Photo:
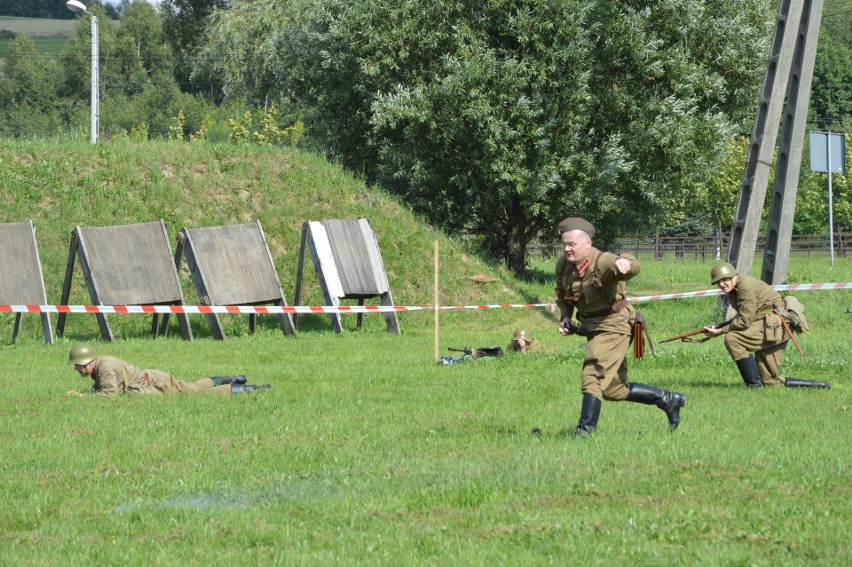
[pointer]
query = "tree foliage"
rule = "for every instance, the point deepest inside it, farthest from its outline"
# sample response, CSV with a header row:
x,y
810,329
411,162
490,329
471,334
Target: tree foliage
x,y
28,91
497,118
185,25
831,90
137,81
54,10
492,119
242,47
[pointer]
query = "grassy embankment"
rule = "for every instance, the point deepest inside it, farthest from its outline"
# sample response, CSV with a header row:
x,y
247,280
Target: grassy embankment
x,y
365,451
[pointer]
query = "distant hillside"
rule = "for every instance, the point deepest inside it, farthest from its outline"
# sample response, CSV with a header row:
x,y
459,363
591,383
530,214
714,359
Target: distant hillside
x,y
49,36
62,185
38,27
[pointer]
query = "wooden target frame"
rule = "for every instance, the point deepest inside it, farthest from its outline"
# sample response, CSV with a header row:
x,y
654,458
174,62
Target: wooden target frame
x,y
22,279
126,265
349,265
232,265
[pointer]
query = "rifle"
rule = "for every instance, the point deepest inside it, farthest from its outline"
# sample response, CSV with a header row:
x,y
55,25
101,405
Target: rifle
x,y
685,337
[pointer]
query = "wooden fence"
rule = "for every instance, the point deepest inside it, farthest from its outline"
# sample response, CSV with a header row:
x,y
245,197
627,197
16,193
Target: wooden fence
x,y
707,248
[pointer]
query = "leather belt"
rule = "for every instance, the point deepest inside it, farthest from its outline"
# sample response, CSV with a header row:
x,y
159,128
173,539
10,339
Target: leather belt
x,y
595,314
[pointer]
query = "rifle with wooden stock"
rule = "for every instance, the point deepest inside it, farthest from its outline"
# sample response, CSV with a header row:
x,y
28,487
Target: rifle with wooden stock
x,y
685,337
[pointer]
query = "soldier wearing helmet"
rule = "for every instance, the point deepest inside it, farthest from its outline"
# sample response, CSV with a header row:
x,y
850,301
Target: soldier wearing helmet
x,y
523,341
757,328
592,285
112,376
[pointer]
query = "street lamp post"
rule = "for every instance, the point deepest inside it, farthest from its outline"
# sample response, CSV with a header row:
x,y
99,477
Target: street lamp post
x,y
79,7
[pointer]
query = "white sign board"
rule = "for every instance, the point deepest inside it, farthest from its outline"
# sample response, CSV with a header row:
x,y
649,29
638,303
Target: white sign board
x,y
819,142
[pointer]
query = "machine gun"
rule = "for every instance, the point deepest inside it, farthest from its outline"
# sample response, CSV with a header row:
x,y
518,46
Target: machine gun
x,y
479,352
471,354
685,337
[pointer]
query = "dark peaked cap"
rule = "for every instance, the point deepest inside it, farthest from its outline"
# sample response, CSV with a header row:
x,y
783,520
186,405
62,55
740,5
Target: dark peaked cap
x,y
576,223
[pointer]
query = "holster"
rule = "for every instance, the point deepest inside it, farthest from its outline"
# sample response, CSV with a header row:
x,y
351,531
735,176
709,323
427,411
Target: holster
x,y
640,332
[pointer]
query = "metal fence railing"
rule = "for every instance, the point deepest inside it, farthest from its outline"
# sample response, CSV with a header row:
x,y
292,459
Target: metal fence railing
x,y
706,248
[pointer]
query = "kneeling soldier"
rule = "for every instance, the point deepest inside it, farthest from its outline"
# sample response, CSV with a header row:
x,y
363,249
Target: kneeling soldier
x,y
112,377
757,328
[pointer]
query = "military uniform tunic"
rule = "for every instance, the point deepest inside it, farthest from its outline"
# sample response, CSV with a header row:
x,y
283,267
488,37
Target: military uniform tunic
x,y
757,328
113,376
608,334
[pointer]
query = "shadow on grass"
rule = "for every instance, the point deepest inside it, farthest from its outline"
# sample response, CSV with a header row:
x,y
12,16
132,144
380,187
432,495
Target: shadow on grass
x,y
558,434
537,276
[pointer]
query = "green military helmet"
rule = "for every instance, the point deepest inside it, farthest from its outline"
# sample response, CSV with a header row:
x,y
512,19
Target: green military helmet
x,y
81,354
522,335
720,271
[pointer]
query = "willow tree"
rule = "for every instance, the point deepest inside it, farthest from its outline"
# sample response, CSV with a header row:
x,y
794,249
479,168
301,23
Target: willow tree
x,y
497,118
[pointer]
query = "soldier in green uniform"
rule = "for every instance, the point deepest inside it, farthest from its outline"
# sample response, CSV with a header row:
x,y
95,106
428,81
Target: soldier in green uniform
x,y
112,377
757,328
591,285
523,341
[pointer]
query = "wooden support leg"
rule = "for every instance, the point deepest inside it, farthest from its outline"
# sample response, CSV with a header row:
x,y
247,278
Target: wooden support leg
x,y
216,329
390,317
45,328
17,330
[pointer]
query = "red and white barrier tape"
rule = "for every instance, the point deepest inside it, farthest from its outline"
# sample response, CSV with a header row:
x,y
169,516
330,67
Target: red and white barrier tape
x,y
328,309
785,287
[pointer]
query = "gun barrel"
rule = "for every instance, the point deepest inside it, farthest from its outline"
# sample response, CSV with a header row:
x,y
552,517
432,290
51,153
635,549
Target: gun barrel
x,y
687,335
683,336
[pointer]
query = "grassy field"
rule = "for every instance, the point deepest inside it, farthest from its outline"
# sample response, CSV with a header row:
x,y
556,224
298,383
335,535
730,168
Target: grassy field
x,y
38,27
48,35
367,452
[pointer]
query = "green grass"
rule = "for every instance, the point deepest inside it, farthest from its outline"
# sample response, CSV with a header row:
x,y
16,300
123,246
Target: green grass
x,y
367,452
63,185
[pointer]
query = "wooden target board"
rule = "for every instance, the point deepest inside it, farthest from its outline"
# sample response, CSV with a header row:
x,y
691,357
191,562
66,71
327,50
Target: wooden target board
x,y
21,279
232,265
349,265
126,265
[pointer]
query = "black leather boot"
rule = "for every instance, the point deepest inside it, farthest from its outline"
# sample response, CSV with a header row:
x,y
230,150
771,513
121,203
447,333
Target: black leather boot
x,y
220,380
246,388
800,383
590,411
748,370
668,401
